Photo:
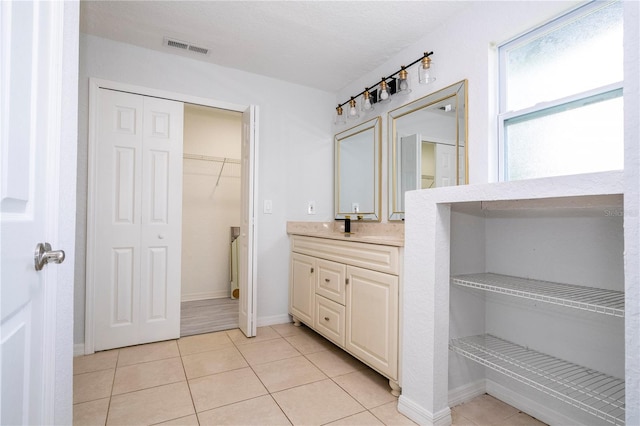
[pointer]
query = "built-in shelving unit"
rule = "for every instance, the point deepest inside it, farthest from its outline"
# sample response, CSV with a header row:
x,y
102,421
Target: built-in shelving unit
x,y
596,393
602,301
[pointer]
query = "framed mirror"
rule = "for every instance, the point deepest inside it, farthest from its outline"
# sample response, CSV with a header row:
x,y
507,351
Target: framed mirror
x,y
428,144
357,172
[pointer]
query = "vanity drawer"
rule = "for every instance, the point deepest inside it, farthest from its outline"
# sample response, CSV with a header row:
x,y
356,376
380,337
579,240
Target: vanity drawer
x,y
369,256
329,321
330,282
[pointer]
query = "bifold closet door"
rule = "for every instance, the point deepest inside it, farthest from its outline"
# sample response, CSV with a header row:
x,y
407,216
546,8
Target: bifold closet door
x,y
137,256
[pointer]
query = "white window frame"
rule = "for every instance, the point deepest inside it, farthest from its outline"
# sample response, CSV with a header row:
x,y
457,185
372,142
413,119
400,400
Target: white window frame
x,y
596,94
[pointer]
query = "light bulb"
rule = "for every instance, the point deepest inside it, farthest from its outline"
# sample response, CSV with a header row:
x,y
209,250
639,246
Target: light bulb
x,y
403,81
353,111
384,95
403,85
384,91
367,104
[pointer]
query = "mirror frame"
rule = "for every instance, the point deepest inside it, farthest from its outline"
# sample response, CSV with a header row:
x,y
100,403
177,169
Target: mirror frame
x,y
376,125
457,89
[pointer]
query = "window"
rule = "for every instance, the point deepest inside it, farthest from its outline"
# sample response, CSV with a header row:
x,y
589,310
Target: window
x,y
561,109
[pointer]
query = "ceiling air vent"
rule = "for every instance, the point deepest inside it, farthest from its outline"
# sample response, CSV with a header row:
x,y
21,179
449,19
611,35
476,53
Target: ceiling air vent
x,y
185,46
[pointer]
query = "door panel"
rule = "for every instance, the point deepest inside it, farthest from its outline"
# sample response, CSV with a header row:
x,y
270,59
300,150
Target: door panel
x,y
138,219
302,289
247,310
445,165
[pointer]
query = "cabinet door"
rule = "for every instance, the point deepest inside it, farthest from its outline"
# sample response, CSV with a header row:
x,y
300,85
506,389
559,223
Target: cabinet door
x,y
302,287
372,319
330,283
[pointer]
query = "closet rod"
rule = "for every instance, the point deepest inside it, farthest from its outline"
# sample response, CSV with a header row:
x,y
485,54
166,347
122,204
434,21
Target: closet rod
x,y
210,158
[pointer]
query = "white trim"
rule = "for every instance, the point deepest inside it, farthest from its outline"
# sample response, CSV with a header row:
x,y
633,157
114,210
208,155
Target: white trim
x,y
467,392
421,416
274,320
203,295
528,406
78,349
96,84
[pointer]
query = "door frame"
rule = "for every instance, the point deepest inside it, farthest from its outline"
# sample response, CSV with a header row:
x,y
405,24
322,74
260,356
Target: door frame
x,y
95,84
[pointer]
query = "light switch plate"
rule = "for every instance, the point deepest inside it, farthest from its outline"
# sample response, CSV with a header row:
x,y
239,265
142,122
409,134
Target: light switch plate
x,y
268,207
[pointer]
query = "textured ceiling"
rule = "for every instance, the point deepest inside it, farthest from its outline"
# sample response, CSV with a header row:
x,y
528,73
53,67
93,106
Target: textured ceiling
x,y
321,44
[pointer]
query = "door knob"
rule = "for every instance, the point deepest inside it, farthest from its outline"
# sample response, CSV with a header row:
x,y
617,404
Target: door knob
x,y
44,255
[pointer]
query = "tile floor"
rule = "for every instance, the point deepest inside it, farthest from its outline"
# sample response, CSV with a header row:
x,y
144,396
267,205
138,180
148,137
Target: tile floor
x,y
286,375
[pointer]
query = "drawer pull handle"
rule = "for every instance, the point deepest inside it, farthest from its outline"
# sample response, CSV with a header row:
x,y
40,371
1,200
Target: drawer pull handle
x,y
326,318
327,280
312,270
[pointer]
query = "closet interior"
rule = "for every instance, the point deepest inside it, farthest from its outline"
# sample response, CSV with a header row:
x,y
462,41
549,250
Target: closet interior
x,y
210,219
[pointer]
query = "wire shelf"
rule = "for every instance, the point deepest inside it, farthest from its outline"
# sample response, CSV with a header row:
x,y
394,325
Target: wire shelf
x,y
594,392
608,302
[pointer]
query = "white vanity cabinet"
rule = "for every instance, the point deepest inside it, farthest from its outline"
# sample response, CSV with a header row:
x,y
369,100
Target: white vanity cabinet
x,y
349,292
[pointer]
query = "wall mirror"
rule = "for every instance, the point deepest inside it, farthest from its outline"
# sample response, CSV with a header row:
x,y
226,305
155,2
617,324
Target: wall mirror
x,y
428,144
357,172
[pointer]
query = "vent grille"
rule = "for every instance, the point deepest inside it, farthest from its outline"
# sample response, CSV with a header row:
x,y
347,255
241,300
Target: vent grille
x,y
185,46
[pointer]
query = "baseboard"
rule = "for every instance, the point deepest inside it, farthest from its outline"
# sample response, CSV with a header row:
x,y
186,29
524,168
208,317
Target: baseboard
x,y
527,405
219,294
421,416
78,349
467,392
273,320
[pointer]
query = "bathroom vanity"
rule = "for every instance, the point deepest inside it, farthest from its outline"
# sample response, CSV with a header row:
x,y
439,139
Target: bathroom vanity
x,y
347,288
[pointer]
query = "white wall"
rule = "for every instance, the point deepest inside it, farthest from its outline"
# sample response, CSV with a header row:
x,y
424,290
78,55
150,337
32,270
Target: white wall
x,y
208,211
295,150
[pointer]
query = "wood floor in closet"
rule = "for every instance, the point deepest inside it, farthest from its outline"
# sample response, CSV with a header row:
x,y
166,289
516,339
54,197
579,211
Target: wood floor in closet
x,y
206,316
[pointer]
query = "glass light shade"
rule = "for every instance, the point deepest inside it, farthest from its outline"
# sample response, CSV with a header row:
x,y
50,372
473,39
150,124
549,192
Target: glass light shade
x,y
403,82
367,104
425,71
352,111
384,93
340,117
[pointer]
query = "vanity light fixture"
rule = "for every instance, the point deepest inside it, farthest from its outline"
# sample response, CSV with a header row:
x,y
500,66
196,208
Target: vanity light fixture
x,y
398,82
353,111
367,101
425,71
340,118
403,81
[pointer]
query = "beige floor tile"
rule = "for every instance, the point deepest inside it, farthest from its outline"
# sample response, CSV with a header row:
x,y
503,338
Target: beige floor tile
x,y
361,419
335,362
191,420
287,373
267,351
521,419
92,386
212,362
307,343
288,329
458,419
147,375
257,411
316,403
151,406
486,410
203,343
262,334
368,387
91,413
225,388
98,361
148,352
389,415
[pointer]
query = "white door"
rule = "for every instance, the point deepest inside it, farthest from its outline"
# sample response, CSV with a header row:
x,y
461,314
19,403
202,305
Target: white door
x,y
31,126
135,253
247,311
410,165
445,165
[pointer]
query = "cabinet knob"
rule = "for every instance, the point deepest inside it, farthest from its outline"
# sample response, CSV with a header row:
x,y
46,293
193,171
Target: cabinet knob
x,y
312,270
327,280
346,281
326,318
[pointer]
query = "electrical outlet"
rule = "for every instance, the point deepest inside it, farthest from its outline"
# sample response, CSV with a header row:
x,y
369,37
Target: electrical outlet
x,y
311,207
